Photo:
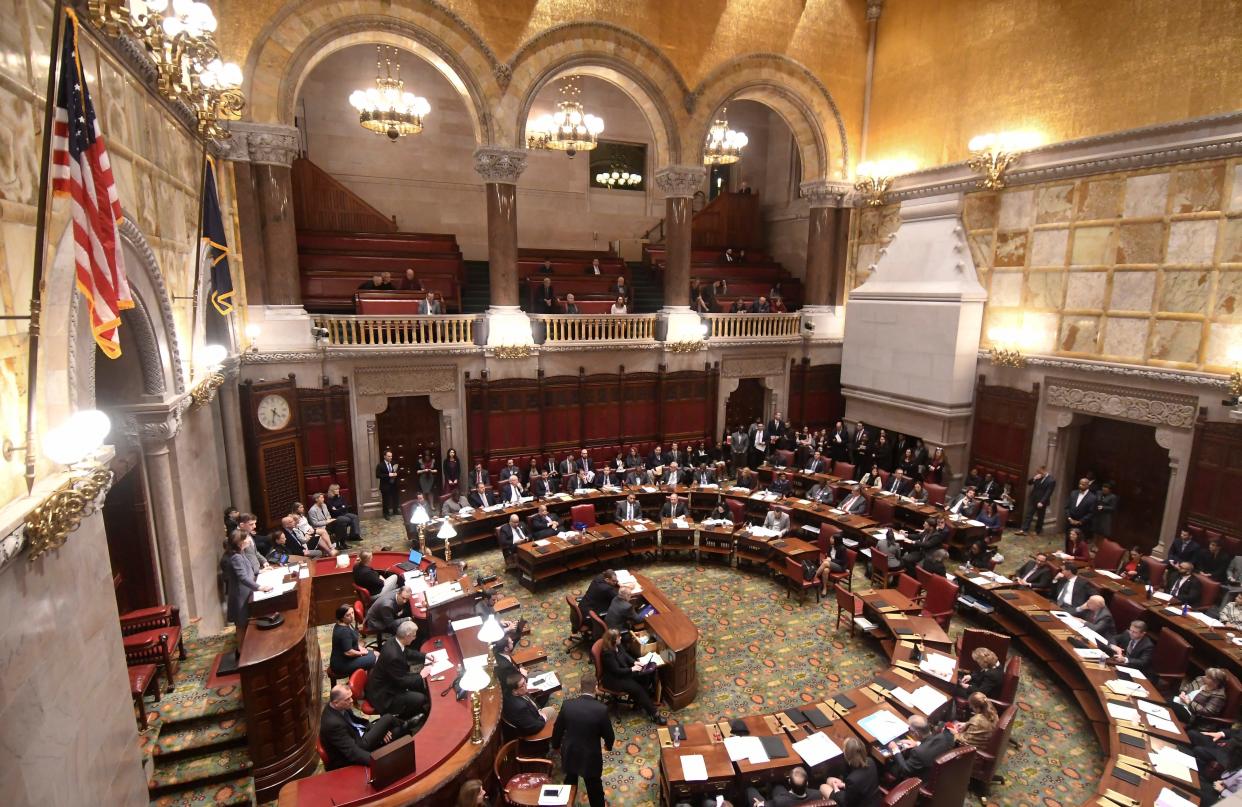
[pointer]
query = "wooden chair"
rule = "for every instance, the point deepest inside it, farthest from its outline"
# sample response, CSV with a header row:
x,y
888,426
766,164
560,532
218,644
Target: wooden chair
x,y
846,575
358,687
1109,555
514,772
795,578
948,781
1169,661
1008,694
153,636
910,587
1233,701
610,695
974,638
141,679
903,794
940,600
989,759
1155,571
1209,591
849,606
579,630
880,573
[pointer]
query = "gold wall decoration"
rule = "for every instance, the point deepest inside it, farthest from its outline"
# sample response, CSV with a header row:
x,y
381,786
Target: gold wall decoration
x,y
48,525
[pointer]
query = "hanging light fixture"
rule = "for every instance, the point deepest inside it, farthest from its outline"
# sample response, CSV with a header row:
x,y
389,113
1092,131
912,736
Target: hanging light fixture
x,y
387,108
570,129
724,145
616,177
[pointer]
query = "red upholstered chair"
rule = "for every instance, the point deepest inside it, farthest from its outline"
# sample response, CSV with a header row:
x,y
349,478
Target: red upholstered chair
x,y
1155,571
364,597
989,758
141,677
940,600
1003,514
1231,544
1169,660
321,751
738,511
514,773
795,578
583,514
577,627
846,575
880,573
949,779
1125,611
1198,533
358,686
1108,555
1209,590
849,606
935,493
922,575
883,509
903,794
1008,694
884,475
597,651
908,586
844,470
974,638
1233,702
784,458
1209,535
153,636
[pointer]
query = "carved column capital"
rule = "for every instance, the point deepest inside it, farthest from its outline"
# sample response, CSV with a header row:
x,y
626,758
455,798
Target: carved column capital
x,y
154,426
874,7
501,165
263,143
826,193
680,180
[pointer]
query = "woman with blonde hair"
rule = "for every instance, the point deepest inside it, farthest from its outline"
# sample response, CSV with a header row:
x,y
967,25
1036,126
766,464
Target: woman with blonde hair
x,y
987,679
471,794
978,730
1202,697
861,786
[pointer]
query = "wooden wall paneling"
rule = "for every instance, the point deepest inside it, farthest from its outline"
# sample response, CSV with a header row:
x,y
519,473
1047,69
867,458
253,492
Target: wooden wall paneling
x,y
327,439
1128,455
542,413
1001,433
1214,478
582,404
622,427
713,384
822,403
661,401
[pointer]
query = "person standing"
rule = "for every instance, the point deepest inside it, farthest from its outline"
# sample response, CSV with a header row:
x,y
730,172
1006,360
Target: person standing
x,y
739,447
582,732
240,582
1042,484
386,472
1105,506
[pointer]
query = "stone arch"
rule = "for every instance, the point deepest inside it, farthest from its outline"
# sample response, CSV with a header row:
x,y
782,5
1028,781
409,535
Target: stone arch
x,y
630,62
789,89
303,33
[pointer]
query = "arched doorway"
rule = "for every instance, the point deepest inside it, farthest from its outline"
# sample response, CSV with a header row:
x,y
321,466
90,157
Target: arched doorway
x,y
745,403
1127,455
408,427
127,527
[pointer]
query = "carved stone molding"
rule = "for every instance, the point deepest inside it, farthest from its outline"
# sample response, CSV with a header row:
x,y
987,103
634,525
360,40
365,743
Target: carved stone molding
x,y
827,193
680,180
304,356
497,164
408,379
1126,370
753,367
154,427
1124,403
263,143
138,242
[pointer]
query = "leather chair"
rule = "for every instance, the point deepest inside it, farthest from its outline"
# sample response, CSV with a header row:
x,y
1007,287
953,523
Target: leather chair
x,y
843,470
1155,572
1169,661
949,779
508,554
153,636
583,514
610,695
1125,611
940,600
514,772
1198,533
579,631
1008,694
935,493
922,575
364,596
903,794
849,606
321,751
358,686
1228,715
847,574
1109,555
738,510
988,759
910,587
883,509
880,573
1209,590
784,458
141,677
974,638
795,578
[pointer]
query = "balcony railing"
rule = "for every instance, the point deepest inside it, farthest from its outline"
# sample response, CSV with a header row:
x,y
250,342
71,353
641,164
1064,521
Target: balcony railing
x,y
568,328
409,331
753,326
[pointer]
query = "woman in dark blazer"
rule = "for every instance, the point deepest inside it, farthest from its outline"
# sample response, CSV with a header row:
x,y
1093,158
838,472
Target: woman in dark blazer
x,y
861,785
348,653
884,452
987,679
240,582
622,673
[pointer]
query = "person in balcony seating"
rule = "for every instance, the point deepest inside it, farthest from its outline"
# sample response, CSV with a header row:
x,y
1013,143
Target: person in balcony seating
x,y
376,283
618,307
431,304
570,306
619,289
546,267
594,268
740,306
778,305
761,306
410,282
547,297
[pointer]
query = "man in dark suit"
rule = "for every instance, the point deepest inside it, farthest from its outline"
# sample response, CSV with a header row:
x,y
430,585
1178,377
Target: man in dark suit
x,y
1133,648
621,613
1183,548
822,493
916,757
540,487
629,509
777,426
1042,484
391,688
855,503
1094,612
348,737
512,534
386,472
518,708
780,485
583,463
676,455
673,508
639,476
704,476
989,488
897,483
580,729
511,491
599,595
544,523
1105,506
367,577
509,470
1080,508
389,611
673,475
570,306
481,497
966,504
1068,590
1035,574
839,442
479,476
607,477
655,459
1184,586
594,269
816,464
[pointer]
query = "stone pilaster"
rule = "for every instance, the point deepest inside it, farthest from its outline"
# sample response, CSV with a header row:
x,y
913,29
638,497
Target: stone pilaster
x,y
679,183
826,251
500,169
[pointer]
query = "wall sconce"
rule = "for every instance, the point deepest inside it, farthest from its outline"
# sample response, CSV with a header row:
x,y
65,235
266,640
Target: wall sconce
x,y
875,177
991,155
204,392
1006,350
74,444
474,681
252,338
688,338
1235,378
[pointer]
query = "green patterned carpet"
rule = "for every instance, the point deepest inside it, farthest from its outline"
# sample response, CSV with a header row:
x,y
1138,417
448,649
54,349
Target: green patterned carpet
x,y
760,652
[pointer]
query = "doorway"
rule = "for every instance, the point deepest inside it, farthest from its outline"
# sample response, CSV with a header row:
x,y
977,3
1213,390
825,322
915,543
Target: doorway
x,y
407,427
745,403
126,521
718,180
1127,455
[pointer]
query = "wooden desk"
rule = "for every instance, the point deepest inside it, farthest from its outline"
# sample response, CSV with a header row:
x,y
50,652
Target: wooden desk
x,y
680,678
673,785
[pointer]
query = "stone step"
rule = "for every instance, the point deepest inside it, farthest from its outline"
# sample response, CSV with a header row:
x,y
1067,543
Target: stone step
x,y
198,769
199,736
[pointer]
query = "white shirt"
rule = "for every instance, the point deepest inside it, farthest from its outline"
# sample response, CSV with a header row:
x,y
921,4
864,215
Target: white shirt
x,y
1081,495
1067,592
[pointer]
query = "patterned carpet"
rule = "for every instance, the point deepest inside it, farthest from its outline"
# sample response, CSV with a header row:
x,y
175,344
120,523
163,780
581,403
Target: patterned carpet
x,y
760,651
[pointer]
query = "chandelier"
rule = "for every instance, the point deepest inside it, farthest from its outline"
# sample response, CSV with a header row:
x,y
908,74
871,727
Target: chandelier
x,y
724,145
616,177
570,129
178,37
387,108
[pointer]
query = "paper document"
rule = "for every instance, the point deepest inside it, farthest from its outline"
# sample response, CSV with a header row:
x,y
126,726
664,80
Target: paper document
x,y
903,695
817,748
1160,595
1153,709
652,658
1207,620
437,661
1168,798
1123,712
554,795
745,747
470,662
980,581
693,768
1126,687
1133,673
1108,574
1176,756
416,582
939,665
443,592
277,590
461,624
928,699
1090,653
542,542
542,683
1162,724
884,726
864,623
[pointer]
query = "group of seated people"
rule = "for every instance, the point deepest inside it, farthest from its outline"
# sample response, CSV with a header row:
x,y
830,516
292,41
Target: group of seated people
x,y
433,303
323,531
547,301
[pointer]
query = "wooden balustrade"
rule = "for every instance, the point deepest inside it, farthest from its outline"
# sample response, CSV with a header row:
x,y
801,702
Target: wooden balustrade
x,y
563,328
407,331
753,326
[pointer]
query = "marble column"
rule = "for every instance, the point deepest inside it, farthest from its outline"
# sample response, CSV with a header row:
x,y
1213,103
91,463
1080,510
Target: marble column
x,y
825,265
280,244
250,229
679,183
234,447
158,463
500,169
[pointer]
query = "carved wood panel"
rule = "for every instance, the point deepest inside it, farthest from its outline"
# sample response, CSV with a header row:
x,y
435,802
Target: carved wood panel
x,y
1127,455
1214,478
1004,423
280,481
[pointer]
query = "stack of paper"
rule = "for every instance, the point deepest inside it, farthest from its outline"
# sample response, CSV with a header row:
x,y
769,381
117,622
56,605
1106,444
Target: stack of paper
x,y
1160,595
1169,798
1126,687
763,532
1120,712
544,682
864,623
939,665
443,592
745,747
461,624
437,662
1169,761
927,699
884,726
1108,574
901,694
1207,620
652,658
817,748
1133,673
693,768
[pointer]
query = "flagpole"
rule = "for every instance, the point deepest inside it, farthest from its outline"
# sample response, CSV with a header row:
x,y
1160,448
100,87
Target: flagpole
x,y
198,259
40,256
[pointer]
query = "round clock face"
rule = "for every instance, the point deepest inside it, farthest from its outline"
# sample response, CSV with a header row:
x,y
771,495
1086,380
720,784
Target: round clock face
x,y
274,412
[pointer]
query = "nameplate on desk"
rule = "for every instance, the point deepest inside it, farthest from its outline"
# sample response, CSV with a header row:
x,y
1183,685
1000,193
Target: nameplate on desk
x,y
1126,775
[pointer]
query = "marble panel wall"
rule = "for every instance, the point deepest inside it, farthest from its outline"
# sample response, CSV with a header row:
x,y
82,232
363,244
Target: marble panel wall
x,y
1136,267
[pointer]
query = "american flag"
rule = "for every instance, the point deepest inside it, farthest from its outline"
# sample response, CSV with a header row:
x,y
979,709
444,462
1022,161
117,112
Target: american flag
x,y
81,171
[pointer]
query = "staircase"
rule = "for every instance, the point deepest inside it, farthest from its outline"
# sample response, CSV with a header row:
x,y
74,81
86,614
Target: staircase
x,y
648,293
475,293
195,746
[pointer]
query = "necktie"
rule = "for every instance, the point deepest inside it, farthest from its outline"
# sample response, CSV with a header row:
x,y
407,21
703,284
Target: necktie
x,y
1130,648
1027,577
1177,586
517,535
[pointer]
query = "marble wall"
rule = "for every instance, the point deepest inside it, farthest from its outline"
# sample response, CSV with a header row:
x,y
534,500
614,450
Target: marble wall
x,y
1139,267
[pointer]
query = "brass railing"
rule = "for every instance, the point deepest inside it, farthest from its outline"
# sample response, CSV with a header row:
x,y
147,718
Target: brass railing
x,y
753,326
410,331
563,328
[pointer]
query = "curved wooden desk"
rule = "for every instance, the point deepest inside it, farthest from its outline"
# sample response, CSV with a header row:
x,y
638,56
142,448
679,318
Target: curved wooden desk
x,y
680,678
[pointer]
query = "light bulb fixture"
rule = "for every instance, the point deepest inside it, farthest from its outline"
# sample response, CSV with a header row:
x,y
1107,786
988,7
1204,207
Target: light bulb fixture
x,y
491,631
1006,347
723,145
475,680
446,533
874,178
1235,378
570,129
77,438
991,154
686,346
179,38
618,177
387,109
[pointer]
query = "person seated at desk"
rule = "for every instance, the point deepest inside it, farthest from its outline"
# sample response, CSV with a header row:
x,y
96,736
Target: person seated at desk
x,y
977,731
278,555
746,478
1203,697
486,607
1133,567
1035,573
606,477
348,653
872,478
1183,548
703,475
1133,648
855,503
519,710
632,459
897,483
585,480
674,507
914,758
621,613
1079,549
621,672
933,562
835,561
989,488
339,509
480,476
702,455
1069,591
347,737
966,504
391,688
861,786
1095,615
780,485
979,555
544,523
822,493
720,512
372,580
987,680
420,510
816,464
888,543
1233,574
674,476
512,534
992,523
777,520
390,611
1184,586
628,510
511,490
1231,612
639,476
934,536
795,790
481,497
540,486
